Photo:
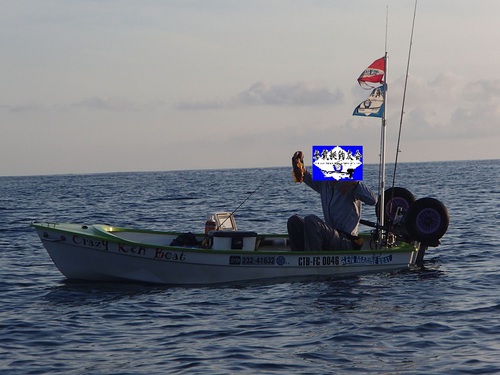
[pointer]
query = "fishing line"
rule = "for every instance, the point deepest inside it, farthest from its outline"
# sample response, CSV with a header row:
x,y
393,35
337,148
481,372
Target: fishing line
x,y
247,198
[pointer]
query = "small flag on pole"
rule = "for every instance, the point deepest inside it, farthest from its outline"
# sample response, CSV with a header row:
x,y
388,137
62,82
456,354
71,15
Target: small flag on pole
x,y
373,106
373,74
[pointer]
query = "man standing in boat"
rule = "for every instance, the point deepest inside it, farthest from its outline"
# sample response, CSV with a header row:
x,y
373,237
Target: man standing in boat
x,y
341,202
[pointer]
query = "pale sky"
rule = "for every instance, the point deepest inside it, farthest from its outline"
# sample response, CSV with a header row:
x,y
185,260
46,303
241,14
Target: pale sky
x,y
154,85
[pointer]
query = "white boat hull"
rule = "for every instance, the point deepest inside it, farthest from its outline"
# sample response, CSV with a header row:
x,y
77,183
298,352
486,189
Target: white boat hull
x,y
99,252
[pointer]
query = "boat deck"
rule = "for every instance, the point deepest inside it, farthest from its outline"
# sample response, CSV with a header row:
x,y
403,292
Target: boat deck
x,y
263,242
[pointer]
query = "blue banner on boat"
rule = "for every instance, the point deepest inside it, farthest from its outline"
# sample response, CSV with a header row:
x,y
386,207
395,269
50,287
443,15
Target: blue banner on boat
x,y
373,106
337,163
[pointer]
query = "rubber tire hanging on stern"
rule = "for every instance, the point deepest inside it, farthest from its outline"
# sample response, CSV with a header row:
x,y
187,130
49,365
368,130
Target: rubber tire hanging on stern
x,y
427,221
398,197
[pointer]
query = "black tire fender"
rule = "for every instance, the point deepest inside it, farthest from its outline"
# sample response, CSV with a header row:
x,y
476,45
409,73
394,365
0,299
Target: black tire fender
x,y
393,198
427,221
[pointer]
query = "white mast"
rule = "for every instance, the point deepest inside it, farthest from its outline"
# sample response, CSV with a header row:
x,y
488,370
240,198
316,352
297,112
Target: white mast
x,y
383,138
382,154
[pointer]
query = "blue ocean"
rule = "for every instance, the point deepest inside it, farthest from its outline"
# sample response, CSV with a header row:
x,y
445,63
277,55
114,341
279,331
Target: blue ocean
x,y
442,319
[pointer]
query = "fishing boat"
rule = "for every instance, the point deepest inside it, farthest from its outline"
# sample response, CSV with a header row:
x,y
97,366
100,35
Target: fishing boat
x,y
404,230
101,252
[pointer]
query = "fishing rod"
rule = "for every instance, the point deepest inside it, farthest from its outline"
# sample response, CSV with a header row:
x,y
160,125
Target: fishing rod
x,y
391,198
381,225
404,96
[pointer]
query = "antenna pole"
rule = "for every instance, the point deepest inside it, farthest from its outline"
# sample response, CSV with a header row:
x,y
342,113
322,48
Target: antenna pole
x,y
383,138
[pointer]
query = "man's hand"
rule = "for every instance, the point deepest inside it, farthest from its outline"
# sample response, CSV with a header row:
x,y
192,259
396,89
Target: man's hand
x,y
298,166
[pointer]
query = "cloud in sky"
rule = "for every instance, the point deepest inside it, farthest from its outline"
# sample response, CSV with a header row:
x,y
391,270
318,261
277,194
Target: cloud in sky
x,y
21,107
265,94
106,103
236,78
450,106
117,104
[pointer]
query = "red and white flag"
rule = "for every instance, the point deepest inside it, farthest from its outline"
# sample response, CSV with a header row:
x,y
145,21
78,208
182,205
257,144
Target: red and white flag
x,y
374,74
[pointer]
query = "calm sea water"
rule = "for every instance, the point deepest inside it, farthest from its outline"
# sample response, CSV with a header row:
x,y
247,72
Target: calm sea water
x,y
444,319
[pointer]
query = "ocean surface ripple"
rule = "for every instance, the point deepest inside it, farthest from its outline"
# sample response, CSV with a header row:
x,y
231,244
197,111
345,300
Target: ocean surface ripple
x,y
443,319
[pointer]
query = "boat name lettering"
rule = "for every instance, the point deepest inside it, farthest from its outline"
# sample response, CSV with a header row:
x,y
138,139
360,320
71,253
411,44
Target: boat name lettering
x,y
336,260
97,244
169,255
364,259
122,248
